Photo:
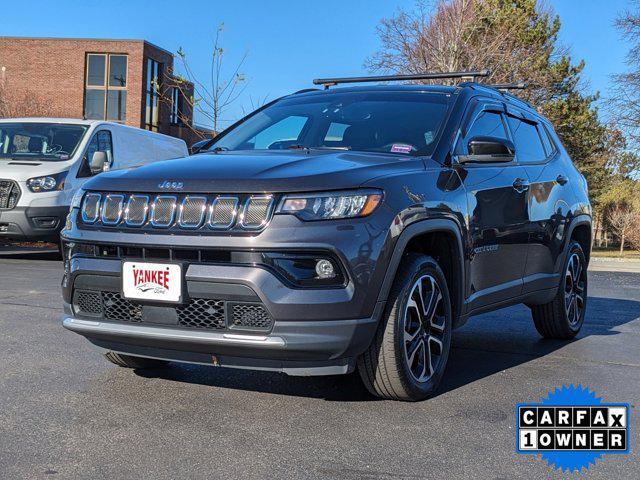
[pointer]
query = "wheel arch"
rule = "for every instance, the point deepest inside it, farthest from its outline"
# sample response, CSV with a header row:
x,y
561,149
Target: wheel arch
x,y
580,230
442,239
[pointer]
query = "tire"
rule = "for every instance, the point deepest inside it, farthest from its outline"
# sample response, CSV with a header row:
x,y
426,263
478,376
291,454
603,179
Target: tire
x,y
563,317
388,367
128,361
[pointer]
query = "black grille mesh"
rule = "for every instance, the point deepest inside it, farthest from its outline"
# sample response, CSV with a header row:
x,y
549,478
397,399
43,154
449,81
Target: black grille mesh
x,y
163,211
137,208
192,211
200,313
117,308
251,316
9,194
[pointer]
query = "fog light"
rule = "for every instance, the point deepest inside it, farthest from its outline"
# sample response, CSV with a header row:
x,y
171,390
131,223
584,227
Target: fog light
x,y
324,269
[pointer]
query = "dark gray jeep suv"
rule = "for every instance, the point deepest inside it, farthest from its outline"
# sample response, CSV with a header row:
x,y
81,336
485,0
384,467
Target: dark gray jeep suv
x,y
331,230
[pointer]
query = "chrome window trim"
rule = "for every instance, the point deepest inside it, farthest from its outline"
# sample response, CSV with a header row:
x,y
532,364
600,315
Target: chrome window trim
x,y
202,213
120,208
267,217
146,210
98,208
233,219
173,211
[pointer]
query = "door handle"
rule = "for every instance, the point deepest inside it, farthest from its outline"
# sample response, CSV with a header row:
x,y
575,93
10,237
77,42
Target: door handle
x,y
520,185
562,179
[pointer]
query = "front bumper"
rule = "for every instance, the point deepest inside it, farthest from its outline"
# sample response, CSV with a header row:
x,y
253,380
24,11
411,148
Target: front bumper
x,y
296,348
32,223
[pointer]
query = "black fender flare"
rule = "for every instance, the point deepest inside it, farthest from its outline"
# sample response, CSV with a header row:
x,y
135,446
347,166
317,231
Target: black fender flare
x,y
419,228
582,219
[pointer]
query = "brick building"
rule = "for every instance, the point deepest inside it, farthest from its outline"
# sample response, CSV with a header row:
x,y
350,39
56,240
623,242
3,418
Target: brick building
x,y
126,81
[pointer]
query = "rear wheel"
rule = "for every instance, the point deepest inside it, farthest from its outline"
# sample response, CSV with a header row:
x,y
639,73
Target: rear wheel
x,y
129,361
563,317
408,355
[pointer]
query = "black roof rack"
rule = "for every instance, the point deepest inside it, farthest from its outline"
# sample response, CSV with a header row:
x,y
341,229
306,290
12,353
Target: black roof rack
x,y
510,86
472,75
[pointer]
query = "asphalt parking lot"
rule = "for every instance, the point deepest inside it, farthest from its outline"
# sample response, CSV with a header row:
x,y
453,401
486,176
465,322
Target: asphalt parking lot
x,y
67,413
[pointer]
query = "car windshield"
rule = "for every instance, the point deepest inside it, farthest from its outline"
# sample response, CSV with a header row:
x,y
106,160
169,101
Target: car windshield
x,y
39,141
379,121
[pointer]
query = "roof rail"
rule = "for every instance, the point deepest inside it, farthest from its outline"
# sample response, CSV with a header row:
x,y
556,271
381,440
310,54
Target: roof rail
x,y
472,75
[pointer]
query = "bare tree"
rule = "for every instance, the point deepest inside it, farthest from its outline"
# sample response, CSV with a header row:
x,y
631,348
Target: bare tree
x,y
621,219
453,35
212,97
625,102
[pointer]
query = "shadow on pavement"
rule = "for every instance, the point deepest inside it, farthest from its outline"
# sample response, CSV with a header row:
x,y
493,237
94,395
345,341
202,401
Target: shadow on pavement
x,y
487,345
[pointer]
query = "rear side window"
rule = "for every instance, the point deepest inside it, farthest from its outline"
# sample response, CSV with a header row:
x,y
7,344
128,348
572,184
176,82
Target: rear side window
x,y
529,147
549,146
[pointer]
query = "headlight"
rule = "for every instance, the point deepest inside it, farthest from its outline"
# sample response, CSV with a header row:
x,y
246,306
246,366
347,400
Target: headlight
x,y
331,205
48,183
76,201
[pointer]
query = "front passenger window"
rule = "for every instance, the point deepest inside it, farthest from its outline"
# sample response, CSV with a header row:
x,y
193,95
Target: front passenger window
x,y
487,124
101,141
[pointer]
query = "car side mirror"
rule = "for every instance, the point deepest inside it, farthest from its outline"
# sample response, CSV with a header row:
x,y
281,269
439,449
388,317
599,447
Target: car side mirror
x,y
488,149
99,162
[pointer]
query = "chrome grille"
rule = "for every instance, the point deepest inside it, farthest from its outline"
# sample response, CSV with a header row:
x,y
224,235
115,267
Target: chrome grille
x,y
256,211
9,194
178,212
112,209
137,210
163,211
223,212
192,212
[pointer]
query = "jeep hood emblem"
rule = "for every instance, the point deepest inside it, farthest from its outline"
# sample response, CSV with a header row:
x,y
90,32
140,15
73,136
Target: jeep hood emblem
x,y
171,185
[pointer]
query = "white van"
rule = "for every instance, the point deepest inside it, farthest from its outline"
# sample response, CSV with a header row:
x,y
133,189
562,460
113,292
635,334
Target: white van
x,y
43,161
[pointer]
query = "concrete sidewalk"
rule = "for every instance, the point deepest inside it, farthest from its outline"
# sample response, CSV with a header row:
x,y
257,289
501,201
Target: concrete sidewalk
x,y
606,264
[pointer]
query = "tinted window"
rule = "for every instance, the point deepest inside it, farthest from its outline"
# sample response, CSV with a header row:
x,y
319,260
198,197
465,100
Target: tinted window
x,y
392,122
279,135
528,144
101,141
117,70
487,124
96,65
549,146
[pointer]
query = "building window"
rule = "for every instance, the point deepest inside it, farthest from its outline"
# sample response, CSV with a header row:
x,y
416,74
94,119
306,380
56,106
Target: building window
x,y
105,90
154,74
176,106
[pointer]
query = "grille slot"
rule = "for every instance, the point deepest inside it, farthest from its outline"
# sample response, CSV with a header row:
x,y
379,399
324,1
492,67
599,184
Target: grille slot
x,y
223,212
163,211
256,212
9,194
137,210
91,207
192,212
120,309
202,313
112,209
250,315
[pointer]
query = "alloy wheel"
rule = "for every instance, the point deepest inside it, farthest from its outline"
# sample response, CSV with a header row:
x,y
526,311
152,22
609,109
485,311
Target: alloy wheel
x,y
574,290
424,328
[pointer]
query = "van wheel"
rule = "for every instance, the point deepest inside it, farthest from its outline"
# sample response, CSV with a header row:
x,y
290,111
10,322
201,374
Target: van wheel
x,y
129,361
408,355
563,317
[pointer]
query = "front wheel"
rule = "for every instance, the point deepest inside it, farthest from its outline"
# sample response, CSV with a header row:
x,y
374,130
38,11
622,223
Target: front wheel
x,y
563,317
408,355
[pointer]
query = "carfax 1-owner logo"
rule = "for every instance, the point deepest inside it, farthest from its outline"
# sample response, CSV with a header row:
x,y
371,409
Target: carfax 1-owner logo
x,y
572,427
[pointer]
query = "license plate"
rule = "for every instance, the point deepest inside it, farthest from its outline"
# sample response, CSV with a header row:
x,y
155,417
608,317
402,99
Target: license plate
x,y
157,282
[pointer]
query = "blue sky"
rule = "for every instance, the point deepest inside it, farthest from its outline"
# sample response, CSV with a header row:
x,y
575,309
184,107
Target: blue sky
x,y
288,42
